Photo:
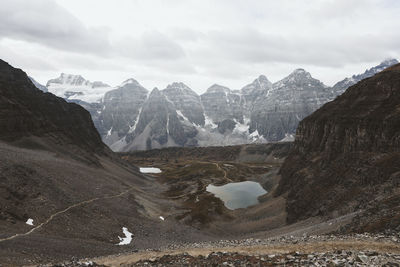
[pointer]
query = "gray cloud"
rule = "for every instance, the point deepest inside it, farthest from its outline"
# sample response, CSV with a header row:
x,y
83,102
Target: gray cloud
x,y
198,42
150,46
251,46
47,23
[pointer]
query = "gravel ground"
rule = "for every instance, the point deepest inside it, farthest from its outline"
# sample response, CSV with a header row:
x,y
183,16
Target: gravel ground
x,y
325,250
337,258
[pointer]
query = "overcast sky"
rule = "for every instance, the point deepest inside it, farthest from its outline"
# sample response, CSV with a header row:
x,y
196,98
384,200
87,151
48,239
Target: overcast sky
x,y
198,42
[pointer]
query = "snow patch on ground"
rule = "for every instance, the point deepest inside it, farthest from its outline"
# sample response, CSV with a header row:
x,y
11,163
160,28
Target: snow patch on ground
x,y
127,239
149,170
29,221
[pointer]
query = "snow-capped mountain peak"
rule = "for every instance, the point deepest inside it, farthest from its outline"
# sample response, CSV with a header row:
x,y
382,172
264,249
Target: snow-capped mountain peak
x,y
179,86
341,86
70,79
130,117
389,62
298,78
75,87
260,84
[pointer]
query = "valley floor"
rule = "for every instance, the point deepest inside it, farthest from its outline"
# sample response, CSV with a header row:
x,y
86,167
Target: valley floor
x,y
193,220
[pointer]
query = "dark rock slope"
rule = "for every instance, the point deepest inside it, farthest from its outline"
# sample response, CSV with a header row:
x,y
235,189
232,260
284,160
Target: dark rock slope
x,y
346,156
26,111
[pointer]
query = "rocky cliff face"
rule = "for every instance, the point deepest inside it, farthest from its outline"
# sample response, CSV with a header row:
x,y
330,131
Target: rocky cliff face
x,y
252,93
159,125
186,102
119,111
26,111
278,111
347,154
220,103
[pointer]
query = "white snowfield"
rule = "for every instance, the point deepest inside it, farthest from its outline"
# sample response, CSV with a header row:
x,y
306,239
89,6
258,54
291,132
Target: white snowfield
x,y
149,170
29,221
75,87
127,239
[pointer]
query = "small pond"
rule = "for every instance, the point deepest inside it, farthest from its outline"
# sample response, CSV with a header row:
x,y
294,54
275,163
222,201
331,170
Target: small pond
x,y
238,195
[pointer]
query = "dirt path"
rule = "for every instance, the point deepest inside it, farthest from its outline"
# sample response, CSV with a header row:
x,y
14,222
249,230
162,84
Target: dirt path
x,y
221,169
63,211
311,247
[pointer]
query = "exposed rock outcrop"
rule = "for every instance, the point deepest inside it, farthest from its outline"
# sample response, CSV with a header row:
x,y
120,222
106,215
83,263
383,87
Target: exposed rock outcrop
x,y
220,104
120,110
278,111
347,154
159,125
253,92
186,102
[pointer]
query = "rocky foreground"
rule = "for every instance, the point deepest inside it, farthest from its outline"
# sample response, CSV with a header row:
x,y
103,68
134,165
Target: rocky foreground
x,y
337,258
327,250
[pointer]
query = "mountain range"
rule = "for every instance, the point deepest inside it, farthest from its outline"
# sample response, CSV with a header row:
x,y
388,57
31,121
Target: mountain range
x,y
130,117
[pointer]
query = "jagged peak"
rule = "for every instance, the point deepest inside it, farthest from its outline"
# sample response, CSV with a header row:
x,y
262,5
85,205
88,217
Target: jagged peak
x,y
68,75
395,67
71,79
178,85
372,71
297,76
155,91
130,81
261,83
157,95
218,88
299,73
262,78
389,62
